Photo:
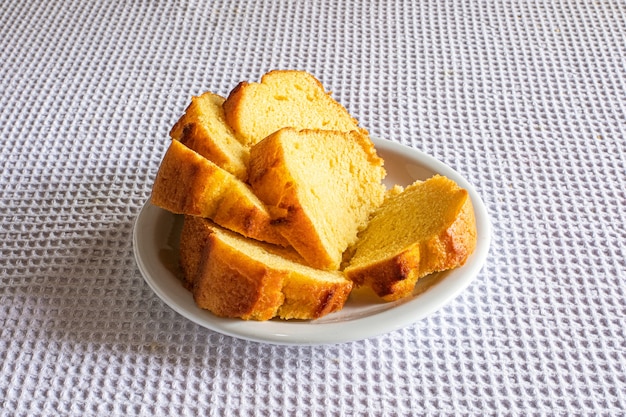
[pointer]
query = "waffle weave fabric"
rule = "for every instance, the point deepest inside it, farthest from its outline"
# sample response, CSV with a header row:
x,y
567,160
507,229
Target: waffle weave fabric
x,y
525,99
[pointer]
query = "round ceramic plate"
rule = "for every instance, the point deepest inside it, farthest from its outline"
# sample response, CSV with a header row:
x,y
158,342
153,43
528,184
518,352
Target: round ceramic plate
x,y
363,316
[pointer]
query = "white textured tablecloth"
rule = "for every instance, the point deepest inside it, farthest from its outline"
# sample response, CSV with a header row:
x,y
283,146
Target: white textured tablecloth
x,y
526,99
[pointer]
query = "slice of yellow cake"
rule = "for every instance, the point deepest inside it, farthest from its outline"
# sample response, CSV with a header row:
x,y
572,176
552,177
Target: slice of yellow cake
x,y
319,187
188,183
233,276
428,227
283,99
203,128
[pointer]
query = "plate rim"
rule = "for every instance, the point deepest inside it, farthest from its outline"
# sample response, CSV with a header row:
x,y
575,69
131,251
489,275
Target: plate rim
x,y
312,332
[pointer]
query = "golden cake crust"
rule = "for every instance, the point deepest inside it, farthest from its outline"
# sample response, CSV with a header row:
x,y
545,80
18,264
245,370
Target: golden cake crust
x,y
391,278
233,276
188,183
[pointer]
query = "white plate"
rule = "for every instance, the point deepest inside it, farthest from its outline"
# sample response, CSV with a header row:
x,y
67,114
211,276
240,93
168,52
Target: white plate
x,y
363,316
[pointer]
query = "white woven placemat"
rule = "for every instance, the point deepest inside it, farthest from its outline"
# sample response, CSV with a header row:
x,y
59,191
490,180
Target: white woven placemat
x,y
525,99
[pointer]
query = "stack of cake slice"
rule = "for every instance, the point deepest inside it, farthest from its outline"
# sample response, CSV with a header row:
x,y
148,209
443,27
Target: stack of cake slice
x,y
285,208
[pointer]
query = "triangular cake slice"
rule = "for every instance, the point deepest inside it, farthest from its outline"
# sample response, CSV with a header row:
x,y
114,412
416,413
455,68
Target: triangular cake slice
x,y
283,98
188,183
319,187
203,128
427,227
